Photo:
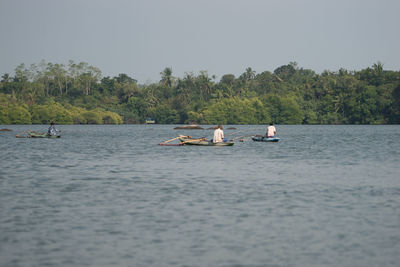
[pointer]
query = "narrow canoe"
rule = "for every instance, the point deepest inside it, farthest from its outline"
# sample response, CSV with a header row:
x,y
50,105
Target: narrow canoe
x,y
42,135
265,139
207,143
202,142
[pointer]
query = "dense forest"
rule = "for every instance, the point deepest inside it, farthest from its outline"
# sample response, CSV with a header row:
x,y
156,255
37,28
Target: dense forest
x,y
77,93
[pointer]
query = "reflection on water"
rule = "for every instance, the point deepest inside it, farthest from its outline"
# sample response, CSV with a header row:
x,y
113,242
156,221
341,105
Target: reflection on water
x,y
109,195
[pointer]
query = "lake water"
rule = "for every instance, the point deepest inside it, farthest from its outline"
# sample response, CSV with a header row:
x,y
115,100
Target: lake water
x,y
110,196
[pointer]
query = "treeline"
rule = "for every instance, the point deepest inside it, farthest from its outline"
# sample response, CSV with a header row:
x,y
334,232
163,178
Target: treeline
x,y
77,93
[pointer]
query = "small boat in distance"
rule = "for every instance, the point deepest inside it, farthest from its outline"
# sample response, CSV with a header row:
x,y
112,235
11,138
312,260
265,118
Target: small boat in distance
x,y
261,138
33,134
150,121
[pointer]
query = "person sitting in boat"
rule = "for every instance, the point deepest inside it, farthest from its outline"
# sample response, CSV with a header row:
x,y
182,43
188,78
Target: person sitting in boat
x,y
271,131
218,135
52,130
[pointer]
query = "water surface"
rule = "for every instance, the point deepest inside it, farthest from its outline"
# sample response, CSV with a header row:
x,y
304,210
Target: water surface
x,y
109,195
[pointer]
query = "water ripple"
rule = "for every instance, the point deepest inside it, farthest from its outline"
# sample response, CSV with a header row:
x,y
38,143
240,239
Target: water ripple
x,y
109,196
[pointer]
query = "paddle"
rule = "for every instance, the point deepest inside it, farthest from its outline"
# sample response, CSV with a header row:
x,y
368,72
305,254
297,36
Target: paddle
x,y
234,133
247,136
169,140
180,136
239,132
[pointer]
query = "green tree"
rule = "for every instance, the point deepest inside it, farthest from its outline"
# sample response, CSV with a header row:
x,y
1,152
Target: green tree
x,y
45,114
284,110
166,77
164,115
19,115
395,107
228,79
285,72
93,117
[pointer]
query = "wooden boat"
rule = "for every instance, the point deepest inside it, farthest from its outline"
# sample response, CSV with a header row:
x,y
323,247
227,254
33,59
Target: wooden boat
x,y
260,138
188,140
33,134
42,135
207,143
203,142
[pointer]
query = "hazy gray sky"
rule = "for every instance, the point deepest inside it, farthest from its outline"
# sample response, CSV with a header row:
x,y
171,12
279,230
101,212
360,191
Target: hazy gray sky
x,y
142,37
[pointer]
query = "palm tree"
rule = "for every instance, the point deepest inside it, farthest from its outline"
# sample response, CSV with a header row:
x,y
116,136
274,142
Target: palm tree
x,y
5,78
166,77
205,85
151,98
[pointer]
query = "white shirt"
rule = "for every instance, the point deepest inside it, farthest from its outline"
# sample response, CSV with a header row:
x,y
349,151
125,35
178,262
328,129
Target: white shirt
x,y
218,136
271,131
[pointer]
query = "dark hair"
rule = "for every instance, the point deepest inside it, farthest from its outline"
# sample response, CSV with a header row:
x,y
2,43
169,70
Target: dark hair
x,y
52,123
271,123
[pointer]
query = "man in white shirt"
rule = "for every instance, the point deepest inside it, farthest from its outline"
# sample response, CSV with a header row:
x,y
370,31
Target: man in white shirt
x,y
271,130
218,135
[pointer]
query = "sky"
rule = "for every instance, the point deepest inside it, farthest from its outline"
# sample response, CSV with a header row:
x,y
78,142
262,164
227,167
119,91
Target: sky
x,y
142,37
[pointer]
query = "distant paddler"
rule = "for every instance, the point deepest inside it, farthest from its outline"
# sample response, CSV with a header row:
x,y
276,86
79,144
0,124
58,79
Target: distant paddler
x,y
52,130
271,131
218,135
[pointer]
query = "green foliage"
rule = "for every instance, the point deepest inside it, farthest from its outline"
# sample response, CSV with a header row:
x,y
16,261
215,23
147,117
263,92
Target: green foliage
x,y
395,111
228,79
13,111
4,119
55,112
93,117
75,93
285,72
234,111
138,106
108,117
284,110
100,116
19,114
164,115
